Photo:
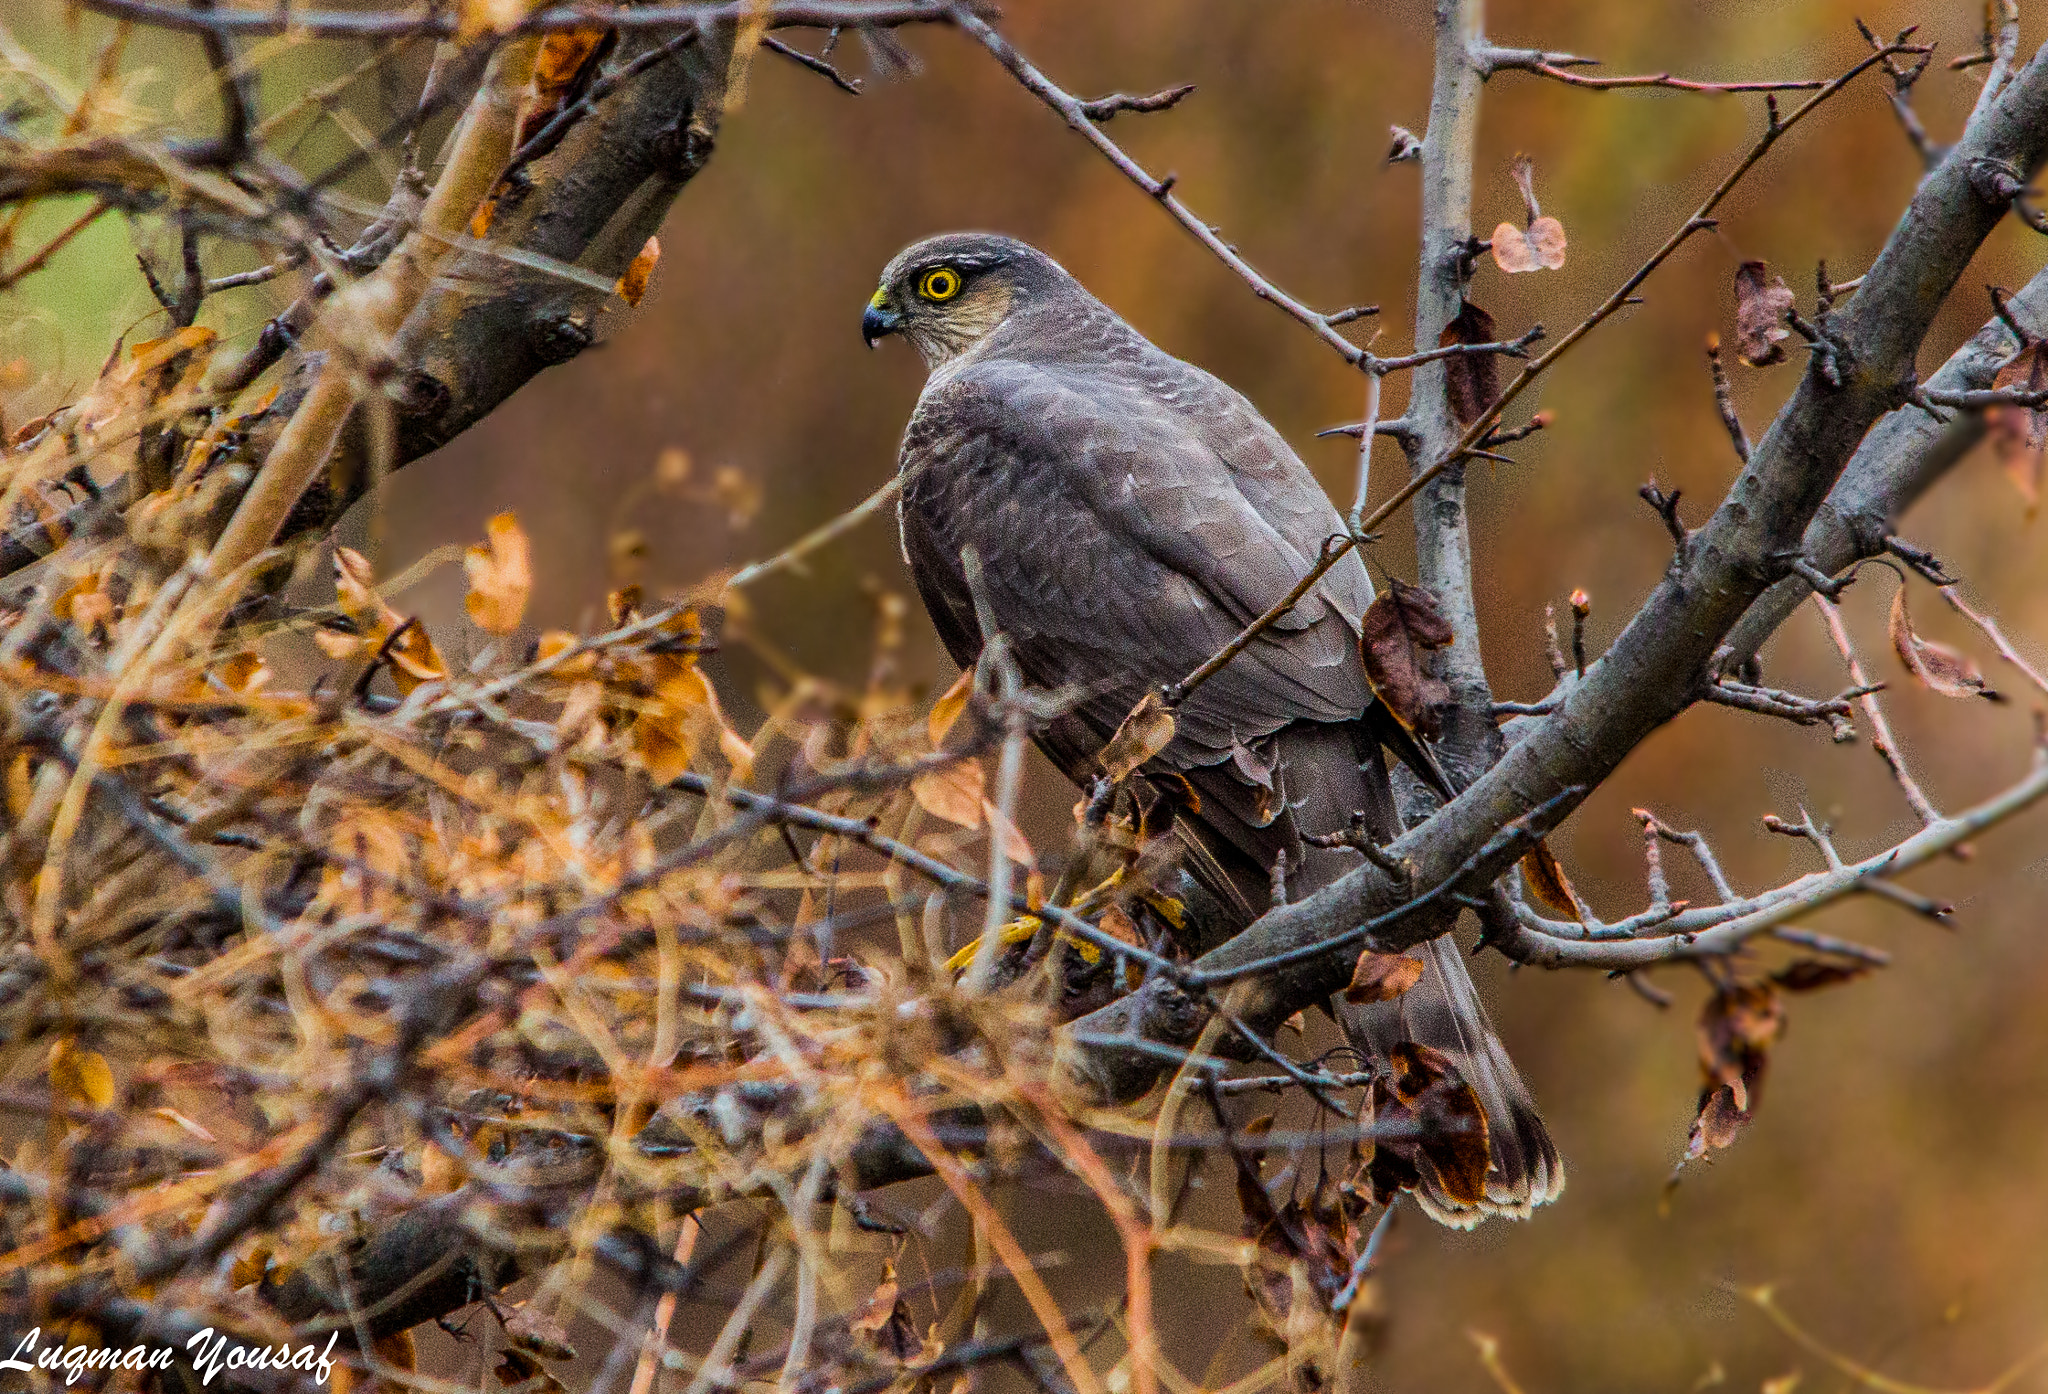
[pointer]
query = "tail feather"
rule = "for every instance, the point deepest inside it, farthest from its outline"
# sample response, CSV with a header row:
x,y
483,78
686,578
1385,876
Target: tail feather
x,y
1327,773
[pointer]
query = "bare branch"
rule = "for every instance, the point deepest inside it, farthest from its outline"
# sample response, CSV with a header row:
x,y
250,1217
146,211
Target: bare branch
x,y
1714,931
1881,738
1106,108
1724,400
1489,60
1652,669
1701,219
1903,456
1506,348
1801,711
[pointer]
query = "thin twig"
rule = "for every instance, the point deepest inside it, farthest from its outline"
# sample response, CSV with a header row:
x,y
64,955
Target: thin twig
x,y
1558,67
1701,219
1881,738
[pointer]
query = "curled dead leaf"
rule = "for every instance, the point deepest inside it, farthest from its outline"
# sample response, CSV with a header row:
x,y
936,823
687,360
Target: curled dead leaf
x,y
562,60
2019,434
1382,977
1143,734
1547,882
675,709
1541,246
80,1076
1448,1145
884,1325
1738,1025
1809,974
151,354
1120,926
1937,666
1002,829
1760,307
947,709
953,792
379,628
1471,380
633,285
500,576
1397,627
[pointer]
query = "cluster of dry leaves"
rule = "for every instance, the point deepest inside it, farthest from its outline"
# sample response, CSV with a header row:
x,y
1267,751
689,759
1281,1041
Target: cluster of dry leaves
x,y
411,911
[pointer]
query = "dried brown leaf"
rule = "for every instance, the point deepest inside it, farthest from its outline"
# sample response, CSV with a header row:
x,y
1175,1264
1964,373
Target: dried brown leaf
x,y
1511,250
1120,926
1760,307
1541,248
1425,1085
2019,434
883,1323
1808,974
556,67
1471,380
151,354
1014,844
1546,881
1143,734
947,709
633,285
1382,977
1738,1025
500,576
80,1076
1547,241
413,657
952,792
1937,666
1398,626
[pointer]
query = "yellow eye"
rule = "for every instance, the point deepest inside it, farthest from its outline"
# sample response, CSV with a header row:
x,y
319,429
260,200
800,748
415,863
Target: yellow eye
x,y
939,283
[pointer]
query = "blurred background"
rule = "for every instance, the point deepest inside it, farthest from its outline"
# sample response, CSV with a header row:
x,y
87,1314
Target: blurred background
x,y
1890,1185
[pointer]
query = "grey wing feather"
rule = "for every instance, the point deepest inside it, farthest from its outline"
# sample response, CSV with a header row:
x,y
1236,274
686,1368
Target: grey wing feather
x,y
1120,549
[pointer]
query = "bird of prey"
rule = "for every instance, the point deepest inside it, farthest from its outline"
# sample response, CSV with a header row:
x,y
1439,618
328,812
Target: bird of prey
x,y
1131,514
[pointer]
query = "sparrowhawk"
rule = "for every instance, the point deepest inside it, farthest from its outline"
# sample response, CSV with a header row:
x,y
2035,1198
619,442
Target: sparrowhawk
x,y
1131,514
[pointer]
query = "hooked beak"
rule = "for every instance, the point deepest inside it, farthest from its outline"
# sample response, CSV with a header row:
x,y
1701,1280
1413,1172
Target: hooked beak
x,y
880,320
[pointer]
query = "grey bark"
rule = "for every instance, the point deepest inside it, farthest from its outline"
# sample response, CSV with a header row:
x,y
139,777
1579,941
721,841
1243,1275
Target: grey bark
x,y
1659,662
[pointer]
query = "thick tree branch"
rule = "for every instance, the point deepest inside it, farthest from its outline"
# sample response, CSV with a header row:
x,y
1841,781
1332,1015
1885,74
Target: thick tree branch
x,y
1904,455
1443,533
1655,667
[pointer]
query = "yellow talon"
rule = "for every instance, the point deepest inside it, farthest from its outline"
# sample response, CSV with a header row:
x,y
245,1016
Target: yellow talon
x,y
1017,931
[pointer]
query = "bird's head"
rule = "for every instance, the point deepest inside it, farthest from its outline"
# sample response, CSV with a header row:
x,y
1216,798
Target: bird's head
x,y
948,293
